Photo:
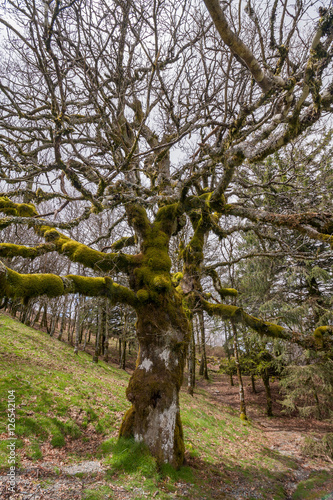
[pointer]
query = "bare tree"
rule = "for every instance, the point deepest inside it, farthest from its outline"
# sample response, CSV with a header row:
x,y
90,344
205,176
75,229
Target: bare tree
x,y
154,110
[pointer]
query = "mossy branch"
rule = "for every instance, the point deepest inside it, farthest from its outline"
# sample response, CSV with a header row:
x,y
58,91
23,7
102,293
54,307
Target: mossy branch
x,y
138,219
8,207
75,251
26,286
322,339
317,226
126,241
223,292
10,250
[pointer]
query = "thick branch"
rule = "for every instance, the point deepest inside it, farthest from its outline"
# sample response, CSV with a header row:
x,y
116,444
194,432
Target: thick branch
x,y
10,250
26,286
317,226
75,251
321,339
239,48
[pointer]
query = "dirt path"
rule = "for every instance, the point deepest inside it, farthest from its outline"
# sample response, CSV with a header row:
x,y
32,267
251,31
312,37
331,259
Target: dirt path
x,y
284,434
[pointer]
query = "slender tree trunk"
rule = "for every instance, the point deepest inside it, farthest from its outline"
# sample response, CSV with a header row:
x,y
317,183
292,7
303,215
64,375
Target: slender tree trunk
x,y
163,334
63,320
24,314
253,382
85,339
122,344
191,363
78,324
265,379
239,375
119,350
35,318
107,332
98,335
227,350
89,332
54,322
123,355
43,322
203,363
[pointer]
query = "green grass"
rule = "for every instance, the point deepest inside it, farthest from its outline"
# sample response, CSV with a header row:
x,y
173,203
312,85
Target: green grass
x,y
318,486
62,398
58,394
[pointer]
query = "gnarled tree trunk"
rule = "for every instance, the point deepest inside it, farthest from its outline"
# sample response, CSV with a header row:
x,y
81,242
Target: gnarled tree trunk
x,y
154,418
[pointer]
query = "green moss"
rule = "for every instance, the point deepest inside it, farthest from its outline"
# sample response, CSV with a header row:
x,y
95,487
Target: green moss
x,y
321,330
161,282
176,278
228,292
124,242
11,250
126,428
166,218
142,295
17,209
223,310
91,287
33,285
137,218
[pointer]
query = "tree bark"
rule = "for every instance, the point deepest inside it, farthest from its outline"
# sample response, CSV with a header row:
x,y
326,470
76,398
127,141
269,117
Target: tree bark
x,y
239,375
98,335
163,334
78,325
107,332
253,382
191,364
203,364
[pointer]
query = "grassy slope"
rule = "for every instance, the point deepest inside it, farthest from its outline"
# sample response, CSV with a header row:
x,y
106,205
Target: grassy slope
x,y
69,409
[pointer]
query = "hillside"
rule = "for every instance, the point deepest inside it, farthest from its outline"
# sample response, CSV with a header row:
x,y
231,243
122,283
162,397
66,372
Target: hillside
x,y
68,411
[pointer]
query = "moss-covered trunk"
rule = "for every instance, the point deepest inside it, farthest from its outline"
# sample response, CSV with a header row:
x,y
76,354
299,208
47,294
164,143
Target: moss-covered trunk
x,y
154,417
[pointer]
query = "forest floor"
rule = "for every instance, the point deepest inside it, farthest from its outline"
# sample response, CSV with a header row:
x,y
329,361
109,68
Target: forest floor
x,y
68,411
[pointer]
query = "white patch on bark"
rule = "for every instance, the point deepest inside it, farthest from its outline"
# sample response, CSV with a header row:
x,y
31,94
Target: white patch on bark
x,y
138,437
168,424
146,364
161,430
165,356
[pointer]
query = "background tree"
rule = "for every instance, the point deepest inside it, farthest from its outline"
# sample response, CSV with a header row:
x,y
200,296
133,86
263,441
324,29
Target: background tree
x,y
155,111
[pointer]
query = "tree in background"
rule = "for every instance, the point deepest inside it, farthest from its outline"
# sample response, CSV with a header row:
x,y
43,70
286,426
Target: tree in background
x,y
156,112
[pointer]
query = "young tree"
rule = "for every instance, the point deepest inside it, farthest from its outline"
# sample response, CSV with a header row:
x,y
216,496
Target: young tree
x,y
154,109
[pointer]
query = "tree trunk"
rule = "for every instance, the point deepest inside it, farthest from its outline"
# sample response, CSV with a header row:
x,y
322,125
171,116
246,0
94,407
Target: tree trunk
x,y
43,323
253,382
78,324
98,335
191,364
123,355
163,334
63,320
203,364
265,379
239,375
107,332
